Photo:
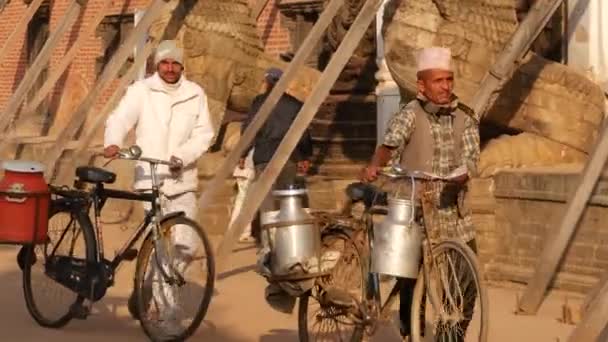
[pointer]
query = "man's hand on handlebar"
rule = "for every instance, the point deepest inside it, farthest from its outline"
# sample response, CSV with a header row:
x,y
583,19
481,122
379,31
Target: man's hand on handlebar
x,y
369,173
459,179
176,165
111,151
380,158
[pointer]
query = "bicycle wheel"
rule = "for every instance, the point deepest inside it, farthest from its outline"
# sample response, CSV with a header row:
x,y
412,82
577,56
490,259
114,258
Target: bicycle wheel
x,y
69,238
322,321
172,310
456,304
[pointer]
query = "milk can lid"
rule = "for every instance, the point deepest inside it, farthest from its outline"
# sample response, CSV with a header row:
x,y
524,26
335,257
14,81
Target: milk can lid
x,y
292,189
293,192
25,166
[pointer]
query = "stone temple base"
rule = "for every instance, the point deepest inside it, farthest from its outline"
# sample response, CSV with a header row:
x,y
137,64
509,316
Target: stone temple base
x,y
516,212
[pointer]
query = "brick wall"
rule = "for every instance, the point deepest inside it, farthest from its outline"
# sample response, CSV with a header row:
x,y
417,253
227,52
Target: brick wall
x,y
273,35
271,30
516,212
14,63
84,63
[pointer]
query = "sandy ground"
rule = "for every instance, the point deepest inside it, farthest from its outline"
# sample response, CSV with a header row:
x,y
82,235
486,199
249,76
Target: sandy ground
x,y
238,311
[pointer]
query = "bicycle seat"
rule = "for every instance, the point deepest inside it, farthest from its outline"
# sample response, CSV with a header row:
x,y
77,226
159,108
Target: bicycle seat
x,y
95,175
368,193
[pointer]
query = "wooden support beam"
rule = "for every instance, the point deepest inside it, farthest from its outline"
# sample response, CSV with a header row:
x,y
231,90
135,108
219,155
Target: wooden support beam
x,y
109,74
595,319
85,141
311,40
66,60
593,294
29,139
558,241
519,44
9,43
264,183
46,140
3,4
40,62
257,9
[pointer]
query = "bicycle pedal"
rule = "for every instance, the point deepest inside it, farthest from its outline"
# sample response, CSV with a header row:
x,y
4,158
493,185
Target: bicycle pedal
x,y
130,254
80,311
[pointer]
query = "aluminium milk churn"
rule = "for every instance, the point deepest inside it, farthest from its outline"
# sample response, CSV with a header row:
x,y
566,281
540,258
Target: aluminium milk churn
x,y
397,241
295,238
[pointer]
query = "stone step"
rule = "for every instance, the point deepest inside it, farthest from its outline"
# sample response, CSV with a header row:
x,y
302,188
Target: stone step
x,y
342,150
334,170
348,108
356,129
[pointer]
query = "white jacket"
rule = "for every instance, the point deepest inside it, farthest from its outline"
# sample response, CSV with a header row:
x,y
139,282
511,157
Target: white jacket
x,y
165,127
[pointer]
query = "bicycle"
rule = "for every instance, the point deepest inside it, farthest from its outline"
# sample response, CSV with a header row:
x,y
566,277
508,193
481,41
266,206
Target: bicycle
x,y
438,281
73,257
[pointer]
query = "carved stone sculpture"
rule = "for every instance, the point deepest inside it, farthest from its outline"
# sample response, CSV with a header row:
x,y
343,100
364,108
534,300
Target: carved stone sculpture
x,y
544,98
224,54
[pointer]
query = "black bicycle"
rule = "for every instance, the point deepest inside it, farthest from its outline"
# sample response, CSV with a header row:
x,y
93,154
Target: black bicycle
x,y
174,277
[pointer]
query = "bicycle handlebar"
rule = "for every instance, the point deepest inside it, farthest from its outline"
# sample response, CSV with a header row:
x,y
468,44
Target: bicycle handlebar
x,y
395,171
134,153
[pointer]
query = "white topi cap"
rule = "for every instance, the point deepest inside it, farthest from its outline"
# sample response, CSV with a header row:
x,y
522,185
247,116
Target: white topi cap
x,y
169,49
435,58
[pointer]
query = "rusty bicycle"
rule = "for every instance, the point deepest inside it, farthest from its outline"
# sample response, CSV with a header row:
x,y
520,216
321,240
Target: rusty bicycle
x,y
449,293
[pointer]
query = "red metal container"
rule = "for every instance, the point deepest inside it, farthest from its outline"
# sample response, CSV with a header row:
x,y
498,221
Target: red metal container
x,y
24,203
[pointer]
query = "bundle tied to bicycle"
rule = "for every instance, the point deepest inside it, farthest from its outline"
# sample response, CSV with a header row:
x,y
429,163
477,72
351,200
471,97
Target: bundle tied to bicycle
x,y
291,256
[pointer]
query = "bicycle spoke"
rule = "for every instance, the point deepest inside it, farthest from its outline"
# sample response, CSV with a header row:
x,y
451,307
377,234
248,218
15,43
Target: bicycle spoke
x,y
48,300
453,281
325,321
174,282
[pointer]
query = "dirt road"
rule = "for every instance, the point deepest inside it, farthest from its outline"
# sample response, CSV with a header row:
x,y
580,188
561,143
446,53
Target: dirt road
x,y
238,312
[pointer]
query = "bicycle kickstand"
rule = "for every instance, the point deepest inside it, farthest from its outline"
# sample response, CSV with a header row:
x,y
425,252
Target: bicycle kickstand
x,y
83,309
80,310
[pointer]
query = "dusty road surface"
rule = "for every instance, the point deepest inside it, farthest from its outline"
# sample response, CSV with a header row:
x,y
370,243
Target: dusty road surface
x,y
237,312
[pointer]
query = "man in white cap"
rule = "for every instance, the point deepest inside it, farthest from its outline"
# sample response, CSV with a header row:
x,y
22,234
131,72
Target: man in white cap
x,y
435,133
172,122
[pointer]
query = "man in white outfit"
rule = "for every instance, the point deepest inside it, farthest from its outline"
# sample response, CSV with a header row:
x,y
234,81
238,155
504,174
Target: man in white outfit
x,y
172,122
244,175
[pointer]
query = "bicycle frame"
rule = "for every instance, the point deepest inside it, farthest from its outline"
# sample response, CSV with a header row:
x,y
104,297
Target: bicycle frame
x,y
373,280
76,201
151,218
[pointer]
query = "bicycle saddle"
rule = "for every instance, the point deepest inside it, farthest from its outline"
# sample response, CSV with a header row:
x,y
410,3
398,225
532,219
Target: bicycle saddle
x,y
368,193
95,175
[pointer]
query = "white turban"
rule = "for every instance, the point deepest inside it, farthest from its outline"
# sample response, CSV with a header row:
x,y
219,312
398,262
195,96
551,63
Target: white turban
x,y
435,58
168,49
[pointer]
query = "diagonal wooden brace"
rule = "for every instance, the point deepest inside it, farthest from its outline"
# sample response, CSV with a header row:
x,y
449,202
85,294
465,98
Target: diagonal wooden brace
x,y
264,183
109,74
557,244
21,26
42,59
66,60
517,47
595,319
86,140
258,8
314,36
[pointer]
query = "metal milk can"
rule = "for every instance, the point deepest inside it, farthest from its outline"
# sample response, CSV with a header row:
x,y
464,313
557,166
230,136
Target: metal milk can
x,y
397,241
294,236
